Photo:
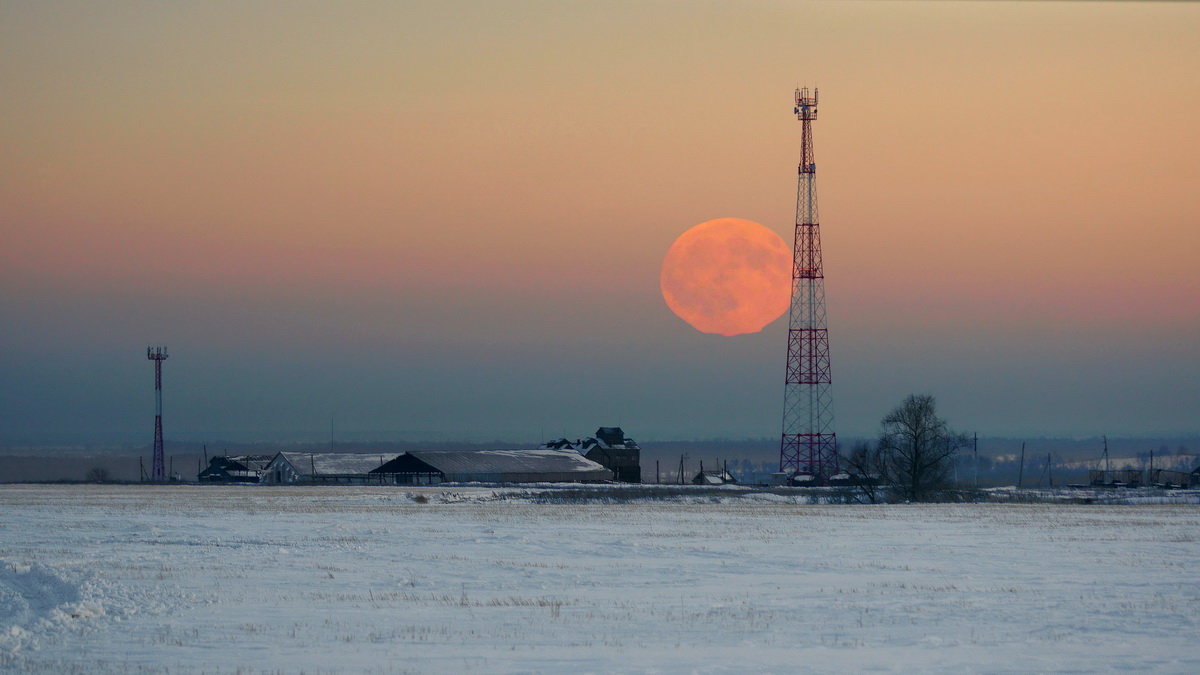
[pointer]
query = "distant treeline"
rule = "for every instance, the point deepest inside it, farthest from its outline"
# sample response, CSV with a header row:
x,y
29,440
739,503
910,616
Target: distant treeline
x,y
999,462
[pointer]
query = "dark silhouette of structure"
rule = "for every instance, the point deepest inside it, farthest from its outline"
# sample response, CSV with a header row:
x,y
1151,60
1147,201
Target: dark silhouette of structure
x,y
157,354
236,469
611,448
809,446
719,477
616,451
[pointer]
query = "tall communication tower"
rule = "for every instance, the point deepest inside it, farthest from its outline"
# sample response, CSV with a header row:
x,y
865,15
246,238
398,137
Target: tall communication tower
x,y
809,446
157,355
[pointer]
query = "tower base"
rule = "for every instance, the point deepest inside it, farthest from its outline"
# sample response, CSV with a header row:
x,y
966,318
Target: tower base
x,y
809,455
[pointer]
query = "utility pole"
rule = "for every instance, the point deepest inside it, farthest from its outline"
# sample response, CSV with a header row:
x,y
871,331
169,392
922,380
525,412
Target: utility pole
x,y
976,460
1021,471
1108,477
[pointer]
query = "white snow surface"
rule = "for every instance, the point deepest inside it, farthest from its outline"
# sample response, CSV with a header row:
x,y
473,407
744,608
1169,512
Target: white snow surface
x,y
475,579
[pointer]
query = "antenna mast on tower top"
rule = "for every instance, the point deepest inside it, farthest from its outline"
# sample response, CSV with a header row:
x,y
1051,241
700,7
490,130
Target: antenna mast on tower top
x,y
808,446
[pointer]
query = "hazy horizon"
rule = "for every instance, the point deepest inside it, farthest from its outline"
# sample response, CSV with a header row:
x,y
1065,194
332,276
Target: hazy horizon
x,y
369,441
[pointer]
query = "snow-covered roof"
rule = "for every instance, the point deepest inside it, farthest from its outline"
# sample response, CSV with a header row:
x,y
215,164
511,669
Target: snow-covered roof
x,y
252,461
713,478
522,461
612,438
334,463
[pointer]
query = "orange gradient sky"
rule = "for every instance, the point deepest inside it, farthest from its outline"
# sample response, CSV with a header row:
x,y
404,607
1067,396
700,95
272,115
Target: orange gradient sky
x,y
446,220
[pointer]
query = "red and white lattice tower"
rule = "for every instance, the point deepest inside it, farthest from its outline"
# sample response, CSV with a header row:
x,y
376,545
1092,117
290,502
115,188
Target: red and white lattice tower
x,y
809,446
158,355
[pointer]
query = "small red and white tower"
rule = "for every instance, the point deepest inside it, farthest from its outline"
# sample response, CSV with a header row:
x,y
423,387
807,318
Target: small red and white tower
x,y
158,355
809,446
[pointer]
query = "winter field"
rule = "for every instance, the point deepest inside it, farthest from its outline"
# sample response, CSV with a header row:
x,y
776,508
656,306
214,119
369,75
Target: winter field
x,y
249,579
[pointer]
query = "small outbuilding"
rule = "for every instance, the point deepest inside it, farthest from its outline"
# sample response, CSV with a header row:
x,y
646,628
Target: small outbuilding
x,y
1170,479
235,469
713,478
1117,478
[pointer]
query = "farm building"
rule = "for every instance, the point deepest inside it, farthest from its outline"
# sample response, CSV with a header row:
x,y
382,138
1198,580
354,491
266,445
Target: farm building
x,y
407,469
1117,478
1167,478
610,448
236,469
613,450
713,478
539,465
323,467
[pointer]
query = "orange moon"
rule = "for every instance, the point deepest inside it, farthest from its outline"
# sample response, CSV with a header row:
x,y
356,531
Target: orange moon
x,y
727,276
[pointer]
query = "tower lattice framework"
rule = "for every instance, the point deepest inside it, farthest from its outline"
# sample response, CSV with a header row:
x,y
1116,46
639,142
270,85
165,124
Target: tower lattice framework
x,y
158,355
809,445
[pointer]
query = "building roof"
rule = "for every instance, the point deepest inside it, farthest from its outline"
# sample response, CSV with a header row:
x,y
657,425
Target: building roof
x,y
245,468
523,461
606,437
333,463
611,435
713,478
406,464
251,461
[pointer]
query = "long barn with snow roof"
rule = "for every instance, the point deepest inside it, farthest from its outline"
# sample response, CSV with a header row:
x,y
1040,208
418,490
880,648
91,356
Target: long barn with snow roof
x,y
323,467
425,467
536,465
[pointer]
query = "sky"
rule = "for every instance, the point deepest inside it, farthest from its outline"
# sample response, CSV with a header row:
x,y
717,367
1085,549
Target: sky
x,y
446,220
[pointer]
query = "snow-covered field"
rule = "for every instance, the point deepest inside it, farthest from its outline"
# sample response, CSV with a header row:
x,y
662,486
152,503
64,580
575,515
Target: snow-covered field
x,y
182,579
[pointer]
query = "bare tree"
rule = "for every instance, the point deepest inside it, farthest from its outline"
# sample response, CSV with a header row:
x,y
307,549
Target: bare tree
x,y
916,449
97,474
863,466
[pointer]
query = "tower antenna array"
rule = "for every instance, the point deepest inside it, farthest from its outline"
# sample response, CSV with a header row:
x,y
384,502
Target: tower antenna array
x,y
157,355
808,446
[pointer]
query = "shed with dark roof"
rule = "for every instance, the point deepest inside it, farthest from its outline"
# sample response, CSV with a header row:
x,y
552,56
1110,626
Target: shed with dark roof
x,y
235,469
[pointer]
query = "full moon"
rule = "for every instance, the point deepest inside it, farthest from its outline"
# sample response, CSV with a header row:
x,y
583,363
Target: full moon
x,y
727,276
